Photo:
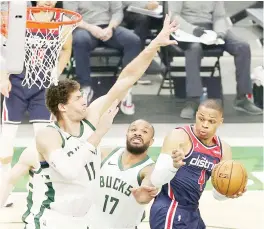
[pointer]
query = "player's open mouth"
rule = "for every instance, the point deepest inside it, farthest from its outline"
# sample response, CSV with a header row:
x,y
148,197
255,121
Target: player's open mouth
x,y
136,140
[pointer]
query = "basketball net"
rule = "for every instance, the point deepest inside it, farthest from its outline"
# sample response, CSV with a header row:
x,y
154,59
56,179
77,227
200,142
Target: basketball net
x,y
44,42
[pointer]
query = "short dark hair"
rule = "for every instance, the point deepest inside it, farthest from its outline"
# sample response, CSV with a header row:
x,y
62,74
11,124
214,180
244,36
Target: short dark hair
x,y
215,104
60,94
152,127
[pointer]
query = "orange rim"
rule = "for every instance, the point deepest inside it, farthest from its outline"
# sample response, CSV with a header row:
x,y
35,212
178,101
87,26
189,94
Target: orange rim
x,y
51,25
42,25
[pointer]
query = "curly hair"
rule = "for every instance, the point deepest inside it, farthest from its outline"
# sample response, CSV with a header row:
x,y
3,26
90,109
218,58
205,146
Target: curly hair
x,y
60,94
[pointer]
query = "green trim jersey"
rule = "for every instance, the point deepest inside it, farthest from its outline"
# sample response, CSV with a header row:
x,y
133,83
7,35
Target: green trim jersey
x,y
47,189
115,205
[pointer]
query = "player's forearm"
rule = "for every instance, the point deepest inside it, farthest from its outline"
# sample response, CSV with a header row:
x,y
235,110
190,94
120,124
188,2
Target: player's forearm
x,y
69,162
96,137
137,67
164,170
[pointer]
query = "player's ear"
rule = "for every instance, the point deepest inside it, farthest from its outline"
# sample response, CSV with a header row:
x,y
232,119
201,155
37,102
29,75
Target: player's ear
x,y
151,142
61,107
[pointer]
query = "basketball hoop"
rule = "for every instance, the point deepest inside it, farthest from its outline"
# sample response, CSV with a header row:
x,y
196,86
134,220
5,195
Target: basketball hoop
x,y
43,42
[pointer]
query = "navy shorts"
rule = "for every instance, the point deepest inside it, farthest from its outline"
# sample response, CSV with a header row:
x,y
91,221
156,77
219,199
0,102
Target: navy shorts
x,y
166,213
22,99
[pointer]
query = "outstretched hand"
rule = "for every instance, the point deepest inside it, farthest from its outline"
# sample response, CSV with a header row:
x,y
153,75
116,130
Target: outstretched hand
x,y
144,194
178,156
163,38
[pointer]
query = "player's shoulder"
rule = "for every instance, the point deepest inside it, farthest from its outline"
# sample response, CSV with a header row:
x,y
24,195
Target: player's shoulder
x,y
107,152
226,151
178,133
48,133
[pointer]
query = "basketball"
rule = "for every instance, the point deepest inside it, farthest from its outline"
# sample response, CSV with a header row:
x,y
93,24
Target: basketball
x,y
229,177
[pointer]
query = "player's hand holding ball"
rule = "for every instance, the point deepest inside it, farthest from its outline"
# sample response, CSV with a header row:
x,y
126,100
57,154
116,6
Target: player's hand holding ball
x,y
178,156
229,178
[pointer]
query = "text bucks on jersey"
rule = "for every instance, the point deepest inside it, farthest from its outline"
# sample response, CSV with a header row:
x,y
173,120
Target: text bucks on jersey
x,y
114,200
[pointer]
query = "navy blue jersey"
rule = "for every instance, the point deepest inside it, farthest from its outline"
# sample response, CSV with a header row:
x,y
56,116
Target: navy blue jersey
x,y
190,180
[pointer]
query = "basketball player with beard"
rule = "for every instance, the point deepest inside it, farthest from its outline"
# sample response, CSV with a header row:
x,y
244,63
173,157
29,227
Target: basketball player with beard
x,y
123,187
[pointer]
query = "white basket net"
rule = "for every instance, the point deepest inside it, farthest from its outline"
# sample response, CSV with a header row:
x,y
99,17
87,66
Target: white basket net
x,y
42,50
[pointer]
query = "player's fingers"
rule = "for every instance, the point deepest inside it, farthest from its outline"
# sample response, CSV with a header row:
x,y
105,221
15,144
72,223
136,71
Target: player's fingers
x,y
147,188
134,190
169,16
177,153
177,159
173,24
173,29
166,21
172,42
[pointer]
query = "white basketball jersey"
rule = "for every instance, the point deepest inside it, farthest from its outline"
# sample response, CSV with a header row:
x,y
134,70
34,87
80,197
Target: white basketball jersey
x,y
49,190
115,205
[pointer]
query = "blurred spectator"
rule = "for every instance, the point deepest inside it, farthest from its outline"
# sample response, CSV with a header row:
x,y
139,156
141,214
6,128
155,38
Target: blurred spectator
x,y
138,22
100,26
194,18
142,24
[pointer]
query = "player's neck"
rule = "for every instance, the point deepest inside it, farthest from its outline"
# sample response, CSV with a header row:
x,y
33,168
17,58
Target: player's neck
x,y
207,142
70,127
130,159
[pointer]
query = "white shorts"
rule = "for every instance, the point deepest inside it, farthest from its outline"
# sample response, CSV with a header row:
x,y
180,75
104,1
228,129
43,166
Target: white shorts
x,y
53,220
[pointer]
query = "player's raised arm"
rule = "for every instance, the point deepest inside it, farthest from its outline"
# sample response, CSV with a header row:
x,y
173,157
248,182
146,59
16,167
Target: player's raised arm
x,y
27,160
50,146
170,158
135,69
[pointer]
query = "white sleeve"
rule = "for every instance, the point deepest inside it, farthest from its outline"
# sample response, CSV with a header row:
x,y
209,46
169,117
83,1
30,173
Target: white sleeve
x,y
218,196
164,170
70,162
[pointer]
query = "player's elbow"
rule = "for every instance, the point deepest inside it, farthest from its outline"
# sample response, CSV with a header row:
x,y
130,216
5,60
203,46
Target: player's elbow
x,y
164,171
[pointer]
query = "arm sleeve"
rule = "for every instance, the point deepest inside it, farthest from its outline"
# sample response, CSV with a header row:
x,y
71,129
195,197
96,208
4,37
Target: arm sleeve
x,y
69,163
164,170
